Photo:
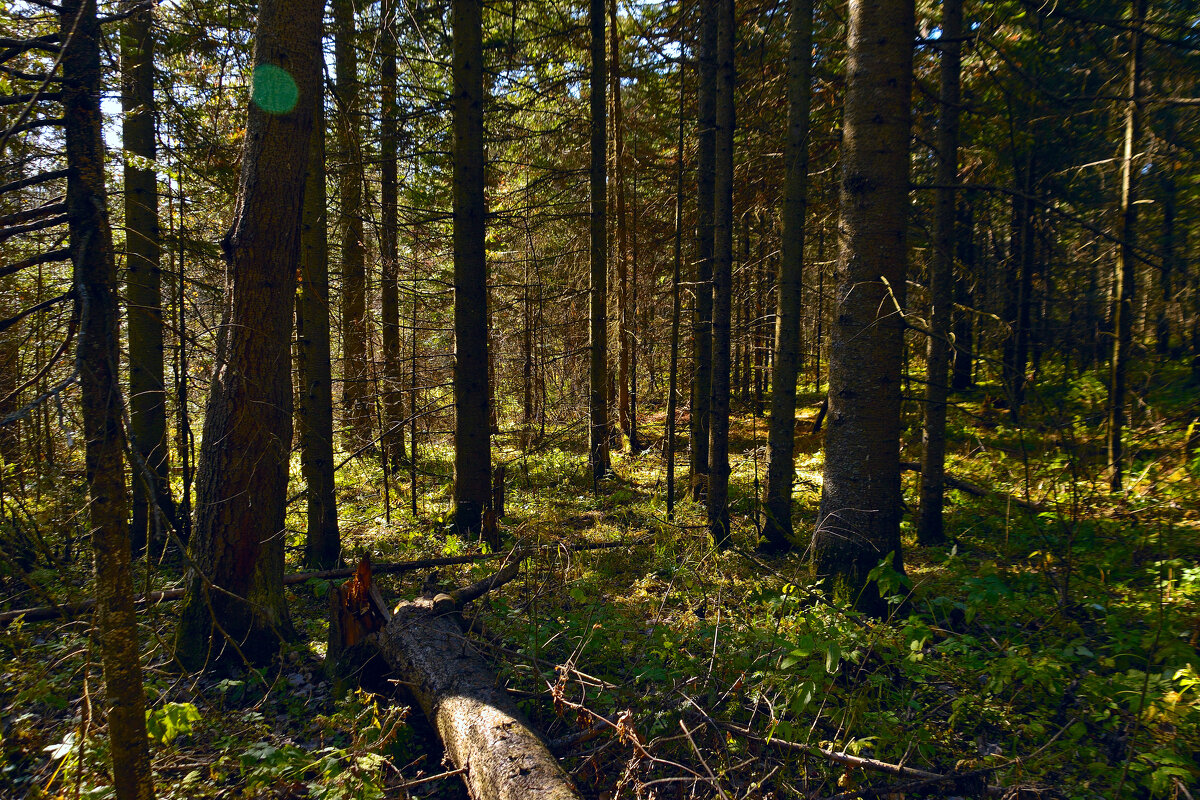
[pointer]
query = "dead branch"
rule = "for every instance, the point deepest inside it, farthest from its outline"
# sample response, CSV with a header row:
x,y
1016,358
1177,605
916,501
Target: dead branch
x,y
873,764
43,613
977,491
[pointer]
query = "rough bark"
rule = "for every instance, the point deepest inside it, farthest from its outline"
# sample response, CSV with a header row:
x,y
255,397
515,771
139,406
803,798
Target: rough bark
x,y
964,346
676,270
702,317
859,518
389,289
598,282
153,508
718,442
1166,282
941,288
635,444
624,340
1125,273
483,731
96,309
472,426
322,546
781,435
356,394
1020,286
235,601
184,438
527,317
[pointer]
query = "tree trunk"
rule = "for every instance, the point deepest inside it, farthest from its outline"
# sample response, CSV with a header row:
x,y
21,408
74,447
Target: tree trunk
x,y
676,269
762,287
153,508
718,447
235,601
634,444
322,547
598,284
185,441
1170,209
413,389
941,289
1125,274
527,352
622,229
96,309
389,289
859,518
962,376
781,434
1019,286
472,423
1028,264
356,395
702,326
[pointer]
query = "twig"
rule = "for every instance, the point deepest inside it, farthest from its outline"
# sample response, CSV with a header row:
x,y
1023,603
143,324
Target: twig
x,y
431,778
713,778
859,761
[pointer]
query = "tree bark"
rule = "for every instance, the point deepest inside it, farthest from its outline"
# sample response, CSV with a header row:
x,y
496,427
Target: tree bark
x,y
859,518
356,395
1125,274
389,289
1170,210
322,546
598,282
472,425
1020,285
527,351
235,601
153,508
96,309
964,346
941,289
635,444
676,270
702,324
484,733
718,445
184,438
781,435
622,228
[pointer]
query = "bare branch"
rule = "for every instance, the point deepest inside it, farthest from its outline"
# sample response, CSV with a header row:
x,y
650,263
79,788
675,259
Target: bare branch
x,y
43,258
33,181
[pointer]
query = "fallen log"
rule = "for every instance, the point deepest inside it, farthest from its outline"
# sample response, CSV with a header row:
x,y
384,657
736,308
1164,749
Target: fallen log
x,y
976,490
485,735
43,613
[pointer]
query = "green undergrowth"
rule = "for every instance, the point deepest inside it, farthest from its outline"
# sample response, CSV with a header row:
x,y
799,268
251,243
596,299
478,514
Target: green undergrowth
x,y
1052,648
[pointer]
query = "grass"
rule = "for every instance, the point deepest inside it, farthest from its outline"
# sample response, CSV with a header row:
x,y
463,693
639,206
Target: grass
x,y
1054,651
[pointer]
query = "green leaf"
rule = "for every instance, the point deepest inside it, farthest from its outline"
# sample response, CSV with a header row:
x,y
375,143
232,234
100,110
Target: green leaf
x,y
164,724
833,657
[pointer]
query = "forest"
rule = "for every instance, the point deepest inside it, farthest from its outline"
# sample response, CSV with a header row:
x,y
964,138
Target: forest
x,y
614,399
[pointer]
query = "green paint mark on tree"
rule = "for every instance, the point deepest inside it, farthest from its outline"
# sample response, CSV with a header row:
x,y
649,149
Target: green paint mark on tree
x,y
274,90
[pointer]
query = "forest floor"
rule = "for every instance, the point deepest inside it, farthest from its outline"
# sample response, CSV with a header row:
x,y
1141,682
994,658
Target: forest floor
x,y
1052,649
